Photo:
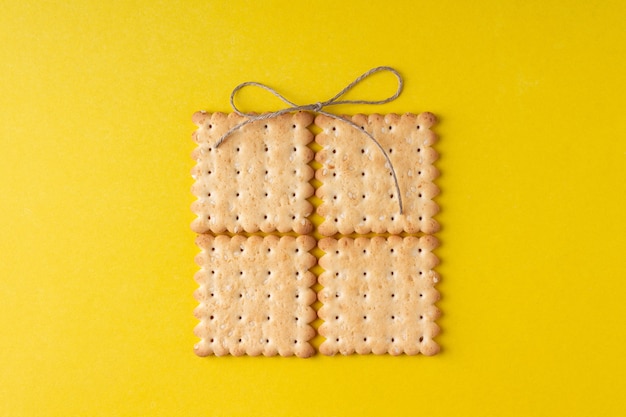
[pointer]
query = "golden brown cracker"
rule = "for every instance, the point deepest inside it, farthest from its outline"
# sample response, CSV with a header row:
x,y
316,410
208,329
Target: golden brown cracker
x,y
358,192
379,295
255,296
257,179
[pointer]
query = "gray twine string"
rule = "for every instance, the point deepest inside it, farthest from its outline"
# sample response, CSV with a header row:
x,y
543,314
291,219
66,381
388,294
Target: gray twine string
x,y
319,109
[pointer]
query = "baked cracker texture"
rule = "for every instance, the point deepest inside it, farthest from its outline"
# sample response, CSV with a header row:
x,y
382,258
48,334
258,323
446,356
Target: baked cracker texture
x,y
257,179
255,296
379,295
358,192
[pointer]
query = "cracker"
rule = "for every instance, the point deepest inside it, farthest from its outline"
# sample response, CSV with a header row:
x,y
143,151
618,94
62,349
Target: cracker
x,y
358,192
257,179
255,296
379,295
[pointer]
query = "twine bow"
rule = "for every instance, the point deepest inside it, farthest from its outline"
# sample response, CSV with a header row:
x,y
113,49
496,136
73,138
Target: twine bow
x,y
319,109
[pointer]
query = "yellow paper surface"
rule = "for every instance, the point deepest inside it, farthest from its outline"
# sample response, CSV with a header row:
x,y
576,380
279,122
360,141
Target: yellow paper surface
x,y
96,254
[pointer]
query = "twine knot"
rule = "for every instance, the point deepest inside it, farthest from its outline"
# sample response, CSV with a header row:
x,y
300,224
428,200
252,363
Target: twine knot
x,y
319,109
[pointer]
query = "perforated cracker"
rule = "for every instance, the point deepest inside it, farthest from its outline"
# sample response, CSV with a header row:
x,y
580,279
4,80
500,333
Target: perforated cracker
x,y
255,296
358,192
257,179
379,295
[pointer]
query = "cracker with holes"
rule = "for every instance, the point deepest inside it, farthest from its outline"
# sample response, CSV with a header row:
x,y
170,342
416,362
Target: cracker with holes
x,y
255,296
358,191
379,295
257,179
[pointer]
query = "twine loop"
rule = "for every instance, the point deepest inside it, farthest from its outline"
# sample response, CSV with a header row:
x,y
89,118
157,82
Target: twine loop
x,y
318,108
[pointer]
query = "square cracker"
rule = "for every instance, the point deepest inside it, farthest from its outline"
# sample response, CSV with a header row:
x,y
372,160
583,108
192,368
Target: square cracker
x,y
358,192
257,179
379,295
255,296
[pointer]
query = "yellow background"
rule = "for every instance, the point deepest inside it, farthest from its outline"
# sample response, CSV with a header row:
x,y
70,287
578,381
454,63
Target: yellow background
x,y
96,254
